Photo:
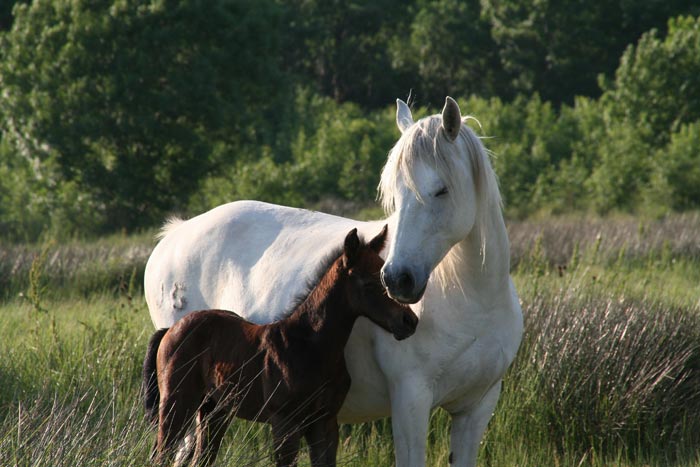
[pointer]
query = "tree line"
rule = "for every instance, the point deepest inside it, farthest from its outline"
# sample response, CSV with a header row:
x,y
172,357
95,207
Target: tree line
x,y
116,112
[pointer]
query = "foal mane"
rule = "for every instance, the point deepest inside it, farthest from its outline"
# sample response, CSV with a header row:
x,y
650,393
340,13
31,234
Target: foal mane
x,y
314,280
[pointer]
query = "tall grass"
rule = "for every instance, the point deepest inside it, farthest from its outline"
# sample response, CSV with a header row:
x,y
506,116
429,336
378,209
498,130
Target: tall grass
x,y
629,238
608,372
601,373
69,378
76,267
85,267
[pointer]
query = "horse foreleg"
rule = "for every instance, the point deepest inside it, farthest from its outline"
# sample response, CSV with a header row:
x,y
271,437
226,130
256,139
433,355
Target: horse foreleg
x,y
322,439
468,426
411,402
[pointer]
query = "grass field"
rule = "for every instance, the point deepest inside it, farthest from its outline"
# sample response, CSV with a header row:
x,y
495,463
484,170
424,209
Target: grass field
x,y
608,373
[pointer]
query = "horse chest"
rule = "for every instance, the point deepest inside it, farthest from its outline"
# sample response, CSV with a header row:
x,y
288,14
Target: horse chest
x,y
303,381
457,353
474,362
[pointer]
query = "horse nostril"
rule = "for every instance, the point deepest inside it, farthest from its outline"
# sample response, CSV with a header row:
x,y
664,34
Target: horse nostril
x,y
405,282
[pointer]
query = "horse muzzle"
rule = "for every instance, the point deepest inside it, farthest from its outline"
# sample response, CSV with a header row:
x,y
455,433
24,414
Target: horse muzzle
x,y
402,286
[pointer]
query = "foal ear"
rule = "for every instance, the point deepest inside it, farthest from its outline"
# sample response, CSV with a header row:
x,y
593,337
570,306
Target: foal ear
x,y
350,248
451,119
377,243
404,119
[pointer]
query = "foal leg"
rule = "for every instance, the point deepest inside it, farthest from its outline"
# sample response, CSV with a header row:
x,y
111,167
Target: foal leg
x,y
322,438
286,443
212,422
174,416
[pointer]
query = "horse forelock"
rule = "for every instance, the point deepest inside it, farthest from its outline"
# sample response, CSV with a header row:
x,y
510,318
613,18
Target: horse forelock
x,y
424,142
455,162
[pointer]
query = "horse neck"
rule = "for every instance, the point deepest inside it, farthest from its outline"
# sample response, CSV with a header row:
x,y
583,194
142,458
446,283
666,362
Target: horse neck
x,y
480,269
325,318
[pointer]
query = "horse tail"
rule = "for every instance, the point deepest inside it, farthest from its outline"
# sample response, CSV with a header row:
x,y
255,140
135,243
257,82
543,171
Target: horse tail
x,y
172,223
149,388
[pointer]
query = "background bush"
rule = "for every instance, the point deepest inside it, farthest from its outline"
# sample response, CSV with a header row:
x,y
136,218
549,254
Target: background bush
x,y
114,113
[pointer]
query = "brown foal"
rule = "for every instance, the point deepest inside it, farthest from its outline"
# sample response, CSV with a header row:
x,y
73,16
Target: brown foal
x,y
212,365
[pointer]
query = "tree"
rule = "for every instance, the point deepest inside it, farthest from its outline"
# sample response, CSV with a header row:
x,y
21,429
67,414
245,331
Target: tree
x,y
676,175
123,100
341,46
6,16
447,50
658,82
558,48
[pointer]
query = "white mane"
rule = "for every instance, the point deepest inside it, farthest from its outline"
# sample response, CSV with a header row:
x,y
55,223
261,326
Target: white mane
x,y
424,141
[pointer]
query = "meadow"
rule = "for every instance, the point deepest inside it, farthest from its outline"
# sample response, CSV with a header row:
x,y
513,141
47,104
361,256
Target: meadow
x,y
608,373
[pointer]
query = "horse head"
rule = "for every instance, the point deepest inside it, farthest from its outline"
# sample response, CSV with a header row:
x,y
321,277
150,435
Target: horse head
x,y
436,182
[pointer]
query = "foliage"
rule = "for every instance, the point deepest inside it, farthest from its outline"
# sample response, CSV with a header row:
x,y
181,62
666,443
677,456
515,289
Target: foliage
x,y
448,48
22,198
114,113
657,85
6,16
341,46
622,171
528,141
120,100
335,150
677,170
558,48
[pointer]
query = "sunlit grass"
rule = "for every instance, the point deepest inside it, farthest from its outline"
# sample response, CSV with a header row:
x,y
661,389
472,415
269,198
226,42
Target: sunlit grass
x,y
608,373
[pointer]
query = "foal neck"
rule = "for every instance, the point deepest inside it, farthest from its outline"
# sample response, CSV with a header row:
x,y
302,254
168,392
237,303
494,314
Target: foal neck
x,y
325,316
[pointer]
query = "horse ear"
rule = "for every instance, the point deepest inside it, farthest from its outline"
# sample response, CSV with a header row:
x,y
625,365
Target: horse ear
x,y
404,119
350,248
377,243
451,119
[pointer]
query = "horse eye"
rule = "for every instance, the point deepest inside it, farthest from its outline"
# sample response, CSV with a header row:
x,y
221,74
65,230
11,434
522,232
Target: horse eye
x,y
441,192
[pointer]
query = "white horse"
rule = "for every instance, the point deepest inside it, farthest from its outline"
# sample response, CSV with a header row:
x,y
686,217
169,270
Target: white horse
x,y
448,255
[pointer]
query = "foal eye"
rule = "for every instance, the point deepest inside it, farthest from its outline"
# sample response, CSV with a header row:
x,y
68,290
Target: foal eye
x,y
441,192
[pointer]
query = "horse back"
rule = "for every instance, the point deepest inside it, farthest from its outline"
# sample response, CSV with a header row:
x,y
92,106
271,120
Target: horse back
x,y
248,256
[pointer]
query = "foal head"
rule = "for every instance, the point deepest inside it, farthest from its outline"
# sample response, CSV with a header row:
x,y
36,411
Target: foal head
x,y
360,264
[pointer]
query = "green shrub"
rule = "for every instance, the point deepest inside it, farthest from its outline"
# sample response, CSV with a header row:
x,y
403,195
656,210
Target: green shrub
x,y
329,150
657,84
622,171
676,178
120,103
